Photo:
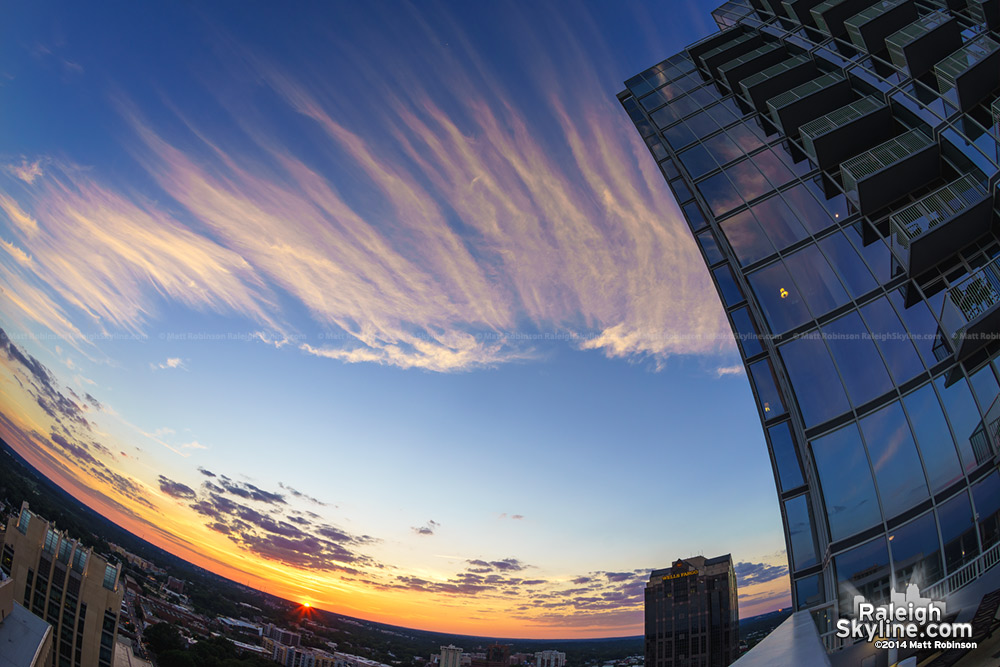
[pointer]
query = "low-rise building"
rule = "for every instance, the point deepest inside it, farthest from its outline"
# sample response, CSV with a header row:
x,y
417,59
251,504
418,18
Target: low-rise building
x,y
25,639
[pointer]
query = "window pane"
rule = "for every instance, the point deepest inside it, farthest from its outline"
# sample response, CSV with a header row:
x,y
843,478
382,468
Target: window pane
x,y
779,298
767,390
836,205
809,591
892,339
920,323
731,294
986,496
694,216
800,532
773,168
817,282
898,473
958,532
663,117
933,438
963,415
916,553
846,479
702,124
851,268
864,571
817,385
748,139
681,191
859,362
723,149
749,338
659,152
698,161
749,179
720,194
984,384
678,135
779,222
809,211
785,457
746,237
707,241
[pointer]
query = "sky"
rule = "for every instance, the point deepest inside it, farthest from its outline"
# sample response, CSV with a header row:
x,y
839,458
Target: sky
x,y
378,306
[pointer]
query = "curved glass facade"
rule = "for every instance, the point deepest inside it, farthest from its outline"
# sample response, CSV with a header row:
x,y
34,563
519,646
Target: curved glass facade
x,y
862,285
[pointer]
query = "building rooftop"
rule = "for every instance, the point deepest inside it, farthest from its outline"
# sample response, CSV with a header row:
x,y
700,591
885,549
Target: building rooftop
x,y
22,636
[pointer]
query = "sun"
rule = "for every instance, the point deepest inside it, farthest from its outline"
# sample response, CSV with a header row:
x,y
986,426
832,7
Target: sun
x,y
306,605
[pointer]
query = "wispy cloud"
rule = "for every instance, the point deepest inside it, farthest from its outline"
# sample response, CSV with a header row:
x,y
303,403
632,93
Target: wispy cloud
x,y
723,371
171,362
26,171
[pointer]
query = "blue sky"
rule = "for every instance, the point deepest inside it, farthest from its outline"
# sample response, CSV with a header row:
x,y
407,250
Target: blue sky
x,y
381,305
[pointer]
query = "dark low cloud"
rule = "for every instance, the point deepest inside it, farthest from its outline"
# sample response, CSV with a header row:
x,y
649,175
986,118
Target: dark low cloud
x,y
176,489
748,574
300,494
250,492
426,529
205,472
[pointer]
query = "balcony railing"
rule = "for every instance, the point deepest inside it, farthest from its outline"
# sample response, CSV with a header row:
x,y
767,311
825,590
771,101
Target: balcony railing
x,y
986,12
831,14
840,134
885,173
996,116
972,72
964,575
752,61
868,29
921,44
808,100
738,45
758,87
940,224
971,310
798,10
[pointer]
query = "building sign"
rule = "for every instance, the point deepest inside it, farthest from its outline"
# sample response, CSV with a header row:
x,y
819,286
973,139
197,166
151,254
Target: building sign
x,y
682,574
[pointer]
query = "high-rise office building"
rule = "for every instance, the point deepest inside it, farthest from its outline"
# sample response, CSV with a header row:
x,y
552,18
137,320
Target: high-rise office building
x,y
837,164
692,615
550,659
64,583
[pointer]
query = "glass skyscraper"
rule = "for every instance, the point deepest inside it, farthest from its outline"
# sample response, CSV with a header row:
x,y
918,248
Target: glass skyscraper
x,y
837,164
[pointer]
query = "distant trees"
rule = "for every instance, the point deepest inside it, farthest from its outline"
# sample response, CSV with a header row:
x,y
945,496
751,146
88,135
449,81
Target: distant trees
x,y
166,642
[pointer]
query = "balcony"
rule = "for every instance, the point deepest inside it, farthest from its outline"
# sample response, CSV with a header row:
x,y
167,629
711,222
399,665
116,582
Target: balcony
x,y
728,50
749,63
986,12
940,224
831,14
885,173
758,88
807,101
795,642
799,10
868,29
840,134
971,311
920,45
973,72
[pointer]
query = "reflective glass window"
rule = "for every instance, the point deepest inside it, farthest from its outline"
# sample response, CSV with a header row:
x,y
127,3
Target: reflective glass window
x,y
785,457
681,191
703,96
818,387
686,105
748,137
963,415
898,472
698,161
746,238
694,216
835,204
723,149
722,113
986,496
749,179
749,337
720,194
800,532
664,117
892,339
933,438
916,553
678,135
920,323
984,384
767,389
863,570
816,280
773,168
876,254
958,532
731,294
670,170
778,297
850,267
708,244
780,224
809,591
702,124
846,479
807,209
861,367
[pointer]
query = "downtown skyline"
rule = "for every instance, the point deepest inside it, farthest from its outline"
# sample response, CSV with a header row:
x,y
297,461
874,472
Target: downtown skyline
x,y
381,308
